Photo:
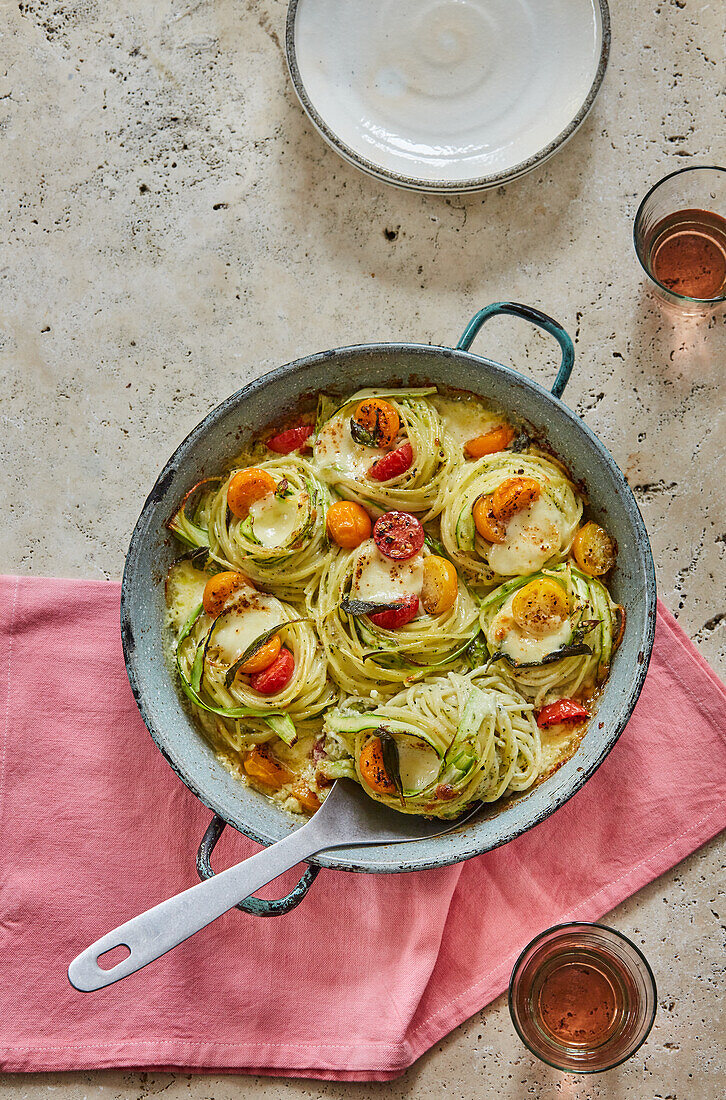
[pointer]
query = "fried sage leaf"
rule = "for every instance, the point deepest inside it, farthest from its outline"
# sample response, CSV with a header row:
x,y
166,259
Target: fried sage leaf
x,y
581,650
391,760
362,435
358,608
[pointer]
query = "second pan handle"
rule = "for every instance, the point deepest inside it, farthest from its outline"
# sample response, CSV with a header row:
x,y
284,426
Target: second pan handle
x,y
535,317
258,907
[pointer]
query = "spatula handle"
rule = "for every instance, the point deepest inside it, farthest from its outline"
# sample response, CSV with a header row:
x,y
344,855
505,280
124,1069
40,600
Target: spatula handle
x,y
157,931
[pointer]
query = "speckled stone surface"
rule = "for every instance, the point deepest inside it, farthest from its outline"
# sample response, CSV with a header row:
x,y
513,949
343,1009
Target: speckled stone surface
x,y
173,227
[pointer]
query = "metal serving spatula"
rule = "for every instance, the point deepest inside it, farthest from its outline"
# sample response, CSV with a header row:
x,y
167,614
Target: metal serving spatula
x,y
347,819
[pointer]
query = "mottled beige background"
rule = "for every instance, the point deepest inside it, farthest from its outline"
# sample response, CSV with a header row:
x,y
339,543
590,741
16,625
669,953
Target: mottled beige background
x,y
173,227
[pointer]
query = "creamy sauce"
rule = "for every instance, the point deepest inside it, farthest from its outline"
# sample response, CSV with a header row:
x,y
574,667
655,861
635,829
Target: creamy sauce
x,y
378,579
558,745
184,591
274,518
533,536
509,637
466,418
418,764
251,615
337,451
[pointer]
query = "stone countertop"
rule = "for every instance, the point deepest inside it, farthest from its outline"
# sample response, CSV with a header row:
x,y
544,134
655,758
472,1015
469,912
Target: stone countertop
x,y
174,228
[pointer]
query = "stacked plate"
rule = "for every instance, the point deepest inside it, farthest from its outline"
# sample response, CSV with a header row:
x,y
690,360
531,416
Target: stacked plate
x,y
447,95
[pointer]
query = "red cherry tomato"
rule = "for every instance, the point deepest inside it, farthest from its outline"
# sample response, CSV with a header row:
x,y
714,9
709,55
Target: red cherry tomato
x,y
398,535
564,710
276,676
284,443
391,465
392,620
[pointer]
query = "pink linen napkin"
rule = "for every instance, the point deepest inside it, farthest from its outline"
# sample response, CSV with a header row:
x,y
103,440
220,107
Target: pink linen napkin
x,y
370,970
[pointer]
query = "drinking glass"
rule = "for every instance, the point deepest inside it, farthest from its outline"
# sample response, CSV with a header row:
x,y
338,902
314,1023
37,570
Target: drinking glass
x,y
680,238
582,997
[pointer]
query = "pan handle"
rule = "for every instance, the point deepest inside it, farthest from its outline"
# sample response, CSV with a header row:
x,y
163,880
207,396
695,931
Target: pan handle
x,y
528,313
258,907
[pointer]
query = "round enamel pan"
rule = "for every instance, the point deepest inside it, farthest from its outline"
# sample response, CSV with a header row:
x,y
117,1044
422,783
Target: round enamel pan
x,y
213,444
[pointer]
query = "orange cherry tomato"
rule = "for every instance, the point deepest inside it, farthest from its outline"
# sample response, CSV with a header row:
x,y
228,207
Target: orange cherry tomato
x,y
489,443
440,585
276,676
594,550
486,522
218,590
264,656
348,524
260,766
514,495
246,487
378,419
307,799
373,770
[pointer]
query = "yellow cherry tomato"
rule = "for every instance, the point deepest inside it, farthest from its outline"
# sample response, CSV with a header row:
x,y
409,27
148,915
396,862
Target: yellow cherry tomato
x,y
486,522
440,585
308,800
246,487
488,444
218,590
514,495
373,769
348,524
260,766
264,656
540,606
594,550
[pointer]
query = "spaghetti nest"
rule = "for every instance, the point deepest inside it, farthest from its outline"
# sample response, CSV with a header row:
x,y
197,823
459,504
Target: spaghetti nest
x,y
365,658
234,715
289,566
454,739
473,480
420,488
579,665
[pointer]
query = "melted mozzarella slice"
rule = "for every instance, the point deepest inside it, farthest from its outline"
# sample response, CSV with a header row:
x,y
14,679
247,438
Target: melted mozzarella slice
x,y
533,536
466,419
418,764
336,450
274,518
508,637
251,615
379,580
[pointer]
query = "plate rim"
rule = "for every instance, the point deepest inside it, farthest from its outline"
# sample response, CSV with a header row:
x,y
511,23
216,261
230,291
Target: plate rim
x,y
414,183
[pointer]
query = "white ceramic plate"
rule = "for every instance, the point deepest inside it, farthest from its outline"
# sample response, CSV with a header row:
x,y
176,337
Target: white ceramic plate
x,y
447,95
